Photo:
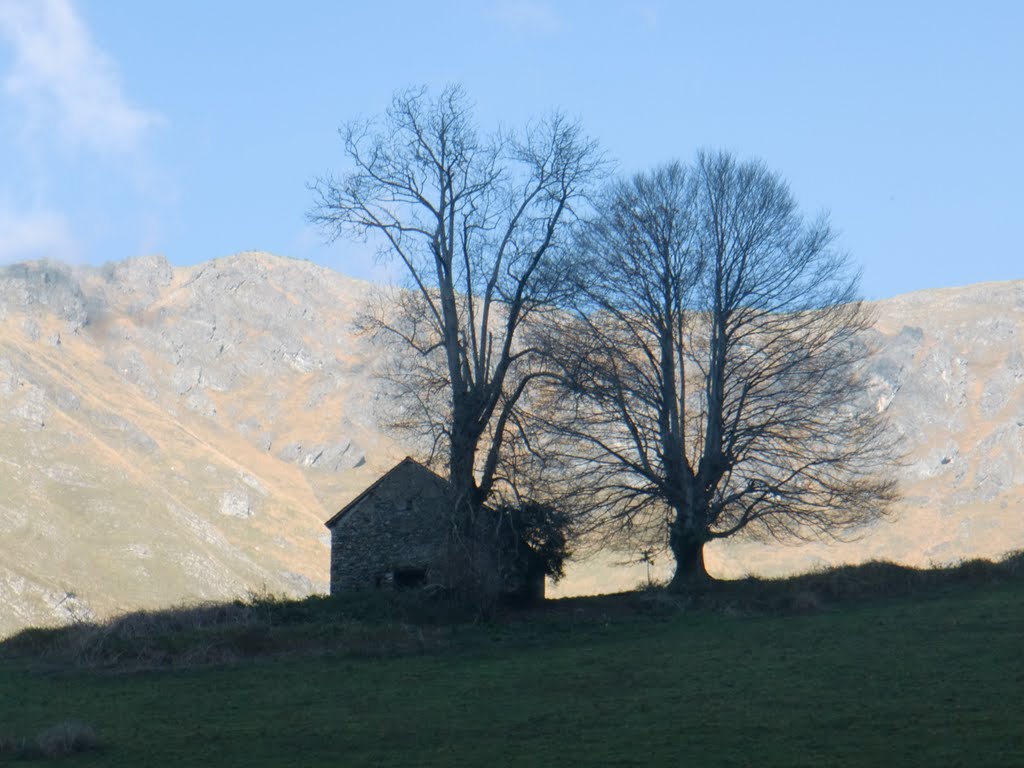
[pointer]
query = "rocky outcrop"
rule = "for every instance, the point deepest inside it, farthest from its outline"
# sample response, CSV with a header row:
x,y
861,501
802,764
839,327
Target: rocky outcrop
x,y
42,288
180,433
198,416
946,366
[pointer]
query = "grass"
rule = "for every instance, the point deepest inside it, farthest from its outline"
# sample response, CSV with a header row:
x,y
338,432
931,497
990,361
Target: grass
x,y
882,666
61,739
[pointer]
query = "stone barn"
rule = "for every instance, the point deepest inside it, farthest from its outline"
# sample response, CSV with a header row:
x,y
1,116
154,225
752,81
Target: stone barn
x,y
394,535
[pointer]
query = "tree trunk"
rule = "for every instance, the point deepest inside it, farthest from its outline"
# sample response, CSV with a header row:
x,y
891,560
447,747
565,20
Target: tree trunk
x,y
690,575
462,451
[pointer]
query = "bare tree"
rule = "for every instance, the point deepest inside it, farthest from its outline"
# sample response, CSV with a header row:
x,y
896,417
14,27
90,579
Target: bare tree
x,y
710,373
479,225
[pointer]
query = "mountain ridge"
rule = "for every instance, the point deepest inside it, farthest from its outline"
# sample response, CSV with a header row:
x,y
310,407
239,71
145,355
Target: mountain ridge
x,y
180,433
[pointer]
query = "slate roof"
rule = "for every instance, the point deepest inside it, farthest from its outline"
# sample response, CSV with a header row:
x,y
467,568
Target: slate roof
x,y
387,477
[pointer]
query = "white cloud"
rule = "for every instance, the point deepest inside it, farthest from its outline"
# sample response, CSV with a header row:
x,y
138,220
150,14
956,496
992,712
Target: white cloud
x,y
35,234
59,75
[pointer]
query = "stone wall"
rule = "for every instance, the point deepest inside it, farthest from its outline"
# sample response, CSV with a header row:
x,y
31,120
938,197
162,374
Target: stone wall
x,y
401,524
396,535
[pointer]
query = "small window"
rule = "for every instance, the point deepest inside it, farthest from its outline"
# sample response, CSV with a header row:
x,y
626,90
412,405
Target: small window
x,y
410,578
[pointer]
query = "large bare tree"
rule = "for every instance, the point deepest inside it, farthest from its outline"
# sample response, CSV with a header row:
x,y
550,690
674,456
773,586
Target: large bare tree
x,y
478,224
710,372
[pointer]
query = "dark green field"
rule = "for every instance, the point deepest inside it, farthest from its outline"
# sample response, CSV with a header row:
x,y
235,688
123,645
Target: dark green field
x,y
928,676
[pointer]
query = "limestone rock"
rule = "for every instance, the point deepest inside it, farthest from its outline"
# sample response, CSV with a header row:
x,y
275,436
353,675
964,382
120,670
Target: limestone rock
x,y
44,288
143,405
236,504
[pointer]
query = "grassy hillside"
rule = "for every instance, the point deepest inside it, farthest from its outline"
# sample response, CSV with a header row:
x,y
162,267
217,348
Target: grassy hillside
x,y
826,670
182,433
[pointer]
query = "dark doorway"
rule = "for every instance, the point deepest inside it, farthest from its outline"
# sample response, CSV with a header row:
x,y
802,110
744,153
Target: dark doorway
x,y
410,578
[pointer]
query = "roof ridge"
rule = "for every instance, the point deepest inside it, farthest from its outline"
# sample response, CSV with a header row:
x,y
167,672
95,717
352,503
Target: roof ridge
x,y
408,460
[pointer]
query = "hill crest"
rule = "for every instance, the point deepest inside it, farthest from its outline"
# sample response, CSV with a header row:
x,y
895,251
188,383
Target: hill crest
x,y
172,433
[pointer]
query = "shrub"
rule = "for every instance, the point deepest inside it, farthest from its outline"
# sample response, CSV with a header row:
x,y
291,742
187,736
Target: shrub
x,y
1013,563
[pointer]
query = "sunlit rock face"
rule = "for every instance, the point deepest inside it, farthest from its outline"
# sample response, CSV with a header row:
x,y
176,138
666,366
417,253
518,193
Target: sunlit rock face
x,y
947,366
176,434
172,434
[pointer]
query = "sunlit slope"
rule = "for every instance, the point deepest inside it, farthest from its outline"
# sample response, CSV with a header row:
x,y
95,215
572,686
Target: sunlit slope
x,y
181,433
948,367
165,435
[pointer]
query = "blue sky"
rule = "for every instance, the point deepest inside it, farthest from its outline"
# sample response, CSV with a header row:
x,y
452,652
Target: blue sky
x,y
192,128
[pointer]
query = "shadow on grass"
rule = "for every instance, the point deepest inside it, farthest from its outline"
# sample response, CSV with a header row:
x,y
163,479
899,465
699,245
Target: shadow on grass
x,y
362,625
391,624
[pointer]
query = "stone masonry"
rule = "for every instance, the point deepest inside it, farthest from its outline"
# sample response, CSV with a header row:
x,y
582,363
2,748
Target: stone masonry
x,y
394,535
395,530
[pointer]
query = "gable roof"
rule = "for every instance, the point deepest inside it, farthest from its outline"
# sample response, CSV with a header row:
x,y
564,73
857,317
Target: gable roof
x,y
399,468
